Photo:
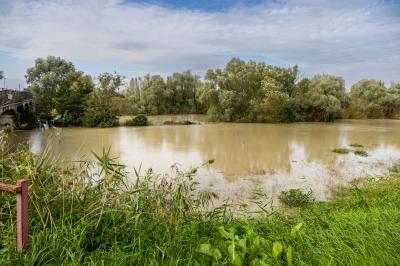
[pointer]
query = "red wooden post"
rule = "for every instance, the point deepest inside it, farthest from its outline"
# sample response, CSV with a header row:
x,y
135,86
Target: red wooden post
x,y
22,215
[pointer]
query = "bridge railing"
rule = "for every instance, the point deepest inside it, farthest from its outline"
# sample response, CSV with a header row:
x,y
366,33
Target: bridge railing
x,y
21,190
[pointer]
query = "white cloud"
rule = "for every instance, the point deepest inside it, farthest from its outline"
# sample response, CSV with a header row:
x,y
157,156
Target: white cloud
x,y
354,39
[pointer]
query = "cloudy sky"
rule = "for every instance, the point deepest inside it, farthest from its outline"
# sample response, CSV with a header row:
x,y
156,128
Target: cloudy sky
x,y
354,39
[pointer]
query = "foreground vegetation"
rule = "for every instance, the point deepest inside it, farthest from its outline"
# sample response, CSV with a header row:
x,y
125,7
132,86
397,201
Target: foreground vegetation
x,y
90,214
241,92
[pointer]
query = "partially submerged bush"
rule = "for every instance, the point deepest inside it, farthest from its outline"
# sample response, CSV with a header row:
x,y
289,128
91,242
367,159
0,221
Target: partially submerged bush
x,y
395,169
341,150
296,197
356,145
361,153
138,121
186,122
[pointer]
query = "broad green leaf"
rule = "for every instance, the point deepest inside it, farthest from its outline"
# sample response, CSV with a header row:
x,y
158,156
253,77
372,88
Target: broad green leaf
x,y
295,229
289,255
276,250
224,234
209,250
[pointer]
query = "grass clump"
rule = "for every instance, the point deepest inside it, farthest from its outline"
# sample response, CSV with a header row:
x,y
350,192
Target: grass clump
x,y
90,214
296,198
361,153
356,145
342,150
138,121
395,169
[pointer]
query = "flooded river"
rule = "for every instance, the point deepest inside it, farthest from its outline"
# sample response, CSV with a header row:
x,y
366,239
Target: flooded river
x,y
274,157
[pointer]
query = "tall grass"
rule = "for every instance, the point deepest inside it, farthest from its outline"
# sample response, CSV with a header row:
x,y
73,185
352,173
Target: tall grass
x,y
94,214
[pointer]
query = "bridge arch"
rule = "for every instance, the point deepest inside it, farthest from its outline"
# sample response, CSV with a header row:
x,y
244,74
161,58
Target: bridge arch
x,y
16,108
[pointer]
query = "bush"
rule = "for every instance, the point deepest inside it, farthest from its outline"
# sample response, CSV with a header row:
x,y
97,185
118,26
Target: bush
x,y
361,153
356,145
138,121
296,198
341,150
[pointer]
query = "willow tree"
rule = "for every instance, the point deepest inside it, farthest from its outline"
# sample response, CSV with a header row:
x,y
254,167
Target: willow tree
x,y
324,98
373,100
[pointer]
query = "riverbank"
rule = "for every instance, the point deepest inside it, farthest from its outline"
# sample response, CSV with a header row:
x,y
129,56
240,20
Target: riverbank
x,y
92,215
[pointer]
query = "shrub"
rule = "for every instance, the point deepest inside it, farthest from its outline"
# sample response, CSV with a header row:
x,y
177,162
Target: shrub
x,y
138,121
395,169
361,153
342,150
356,145
296,198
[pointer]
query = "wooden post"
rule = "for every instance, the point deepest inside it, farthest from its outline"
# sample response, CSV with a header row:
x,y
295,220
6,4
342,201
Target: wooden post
x,y
22,215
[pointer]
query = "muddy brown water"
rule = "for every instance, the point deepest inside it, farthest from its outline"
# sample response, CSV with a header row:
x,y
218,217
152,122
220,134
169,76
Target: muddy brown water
x,y
274,157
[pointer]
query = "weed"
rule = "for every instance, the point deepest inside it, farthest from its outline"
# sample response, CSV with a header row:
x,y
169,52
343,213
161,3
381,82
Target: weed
x,y
395,169
241,245
356,145
296,198
138,121
341,150
361,153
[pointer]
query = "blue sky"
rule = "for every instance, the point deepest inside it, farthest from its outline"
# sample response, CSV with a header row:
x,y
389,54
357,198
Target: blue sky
x,y
354,39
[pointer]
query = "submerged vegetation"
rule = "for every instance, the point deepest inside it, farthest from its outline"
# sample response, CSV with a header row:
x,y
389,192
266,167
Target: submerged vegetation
x,y
99,214
356,145
361,153
341,150
240,92
345,150
138,121
296,198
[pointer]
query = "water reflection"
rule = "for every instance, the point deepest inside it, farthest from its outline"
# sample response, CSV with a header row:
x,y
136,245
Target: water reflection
x,y
275,156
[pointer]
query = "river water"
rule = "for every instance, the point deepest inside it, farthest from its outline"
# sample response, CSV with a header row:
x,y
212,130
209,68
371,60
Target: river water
x,y
273,157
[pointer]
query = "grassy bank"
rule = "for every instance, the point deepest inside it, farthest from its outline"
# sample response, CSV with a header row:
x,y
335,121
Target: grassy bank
x,y
91,215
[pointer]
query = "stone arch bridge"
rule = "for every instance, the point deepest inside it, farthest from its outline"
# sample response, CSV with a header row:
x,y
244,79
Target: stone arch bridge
x,y
16,109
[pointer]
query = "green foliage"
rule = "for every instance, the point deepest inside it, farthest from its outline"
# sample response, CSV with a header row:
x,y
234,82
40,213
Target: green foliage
x,y
342,150
176,95
370,99
101,110
250,91
240,92
47,79
71,103
358,152
138,121
395,169
241,245
324,98
186,122
356,145
296,198
361,153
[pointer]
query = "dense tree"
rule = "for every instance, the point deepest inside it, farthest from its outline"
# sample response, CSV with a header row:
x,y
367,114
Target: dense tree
x,y
101,108
71,102
1,75
241,91
48,78
325,98
368,99
181,91
392,101
250,91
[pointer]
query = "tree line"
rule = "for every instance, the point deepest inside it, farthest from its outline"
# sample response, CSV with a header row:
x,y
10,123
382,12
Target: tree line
x,y
240,92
